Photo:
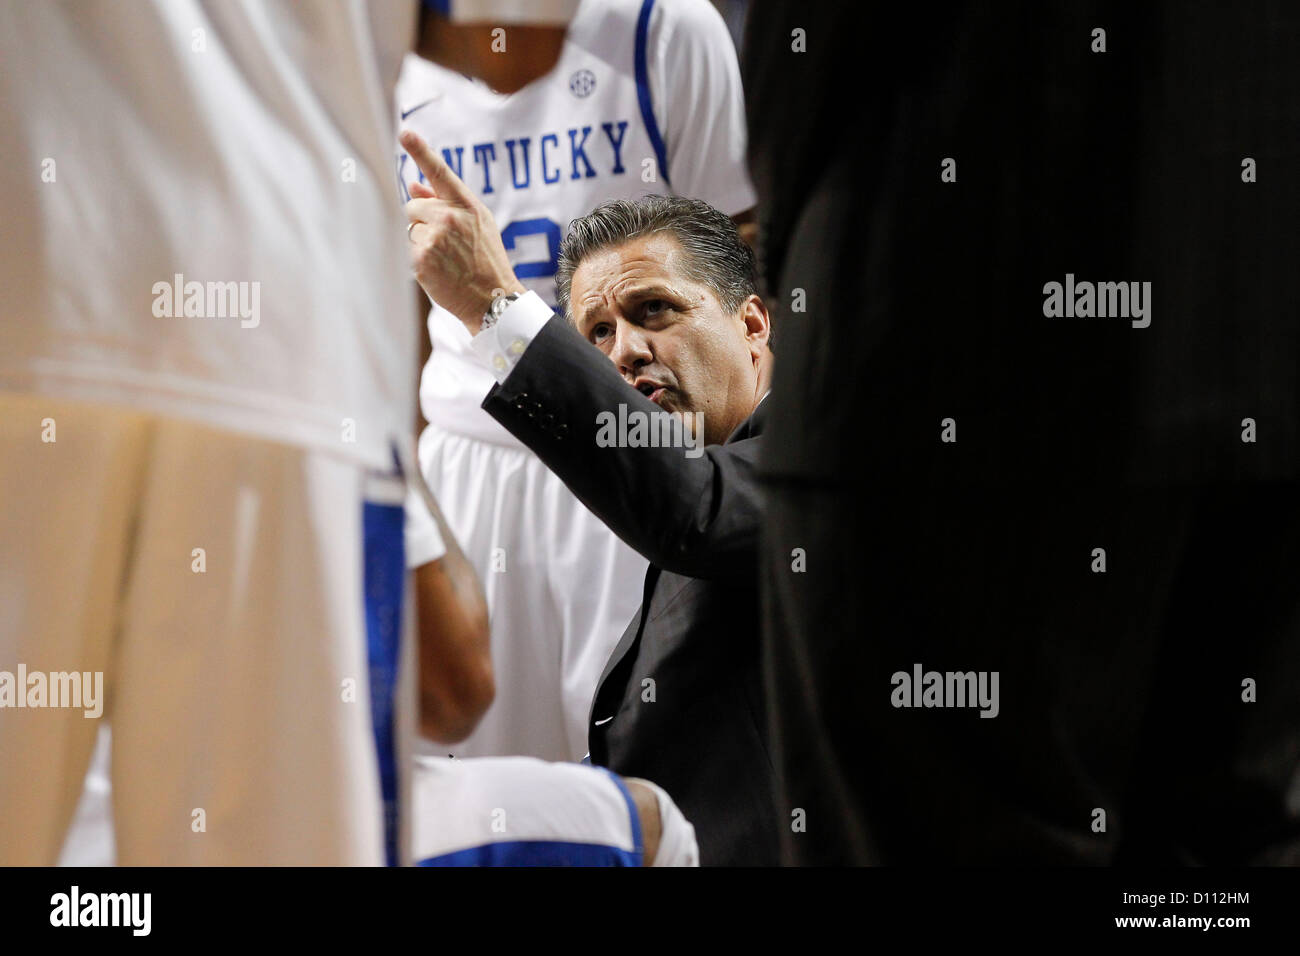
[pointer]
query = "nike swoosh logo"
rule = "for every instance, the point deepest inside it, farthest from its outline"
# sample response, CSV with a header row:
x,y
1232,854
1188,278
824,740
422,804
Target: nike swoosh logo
x,y
414,108
605,721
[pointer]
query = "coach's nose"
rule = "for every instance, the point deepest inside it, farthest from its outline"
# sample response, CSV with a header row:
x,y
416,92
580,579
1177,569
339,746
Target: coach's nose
x,y
631,350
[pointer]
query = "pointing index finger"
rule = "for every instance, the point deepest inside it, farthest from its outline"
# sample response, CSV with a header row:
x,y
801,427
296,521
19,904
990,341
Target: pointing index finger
x,y
441,179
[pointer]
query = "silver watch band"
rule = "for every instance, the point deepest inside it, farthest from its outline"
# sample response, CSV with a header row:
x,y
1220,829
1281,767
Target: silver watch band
x,y
497,308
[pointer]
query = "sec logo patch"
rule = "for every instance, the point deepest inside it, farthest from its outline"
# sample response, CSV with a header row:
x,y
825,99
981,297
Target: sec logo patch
x,y
582,83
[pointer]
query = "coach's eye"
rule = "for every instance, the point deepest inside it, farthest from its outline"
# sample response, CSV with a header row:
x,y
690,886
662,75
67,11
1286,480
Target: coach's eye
x,y
597,335
655,306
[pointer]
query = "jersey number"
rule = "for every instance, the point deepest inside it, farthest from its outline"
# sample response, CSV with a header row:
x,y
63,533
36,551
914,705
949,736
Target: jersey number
x,y
540,268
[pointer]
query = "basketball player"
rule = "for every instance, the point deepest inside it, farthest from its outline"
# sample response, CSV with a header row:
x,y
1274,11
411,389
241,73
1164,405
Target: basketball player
x,y
205,369
645,98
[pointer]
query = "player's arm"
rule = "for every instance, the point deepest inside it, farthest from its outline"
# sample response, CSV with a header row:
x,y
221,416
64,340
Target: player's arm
x,y
700,104
456,681
456,684
696,82
426,351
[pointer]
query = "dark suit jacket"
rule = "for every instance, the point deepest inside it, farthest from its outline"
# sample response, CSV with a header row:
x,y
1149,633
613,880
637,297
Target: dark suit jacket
x,y
680,702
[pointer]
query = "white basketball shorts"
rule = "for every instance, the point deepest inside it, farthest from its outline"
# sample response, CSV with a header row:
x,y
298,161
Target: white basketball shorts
x,y
208,590
520,811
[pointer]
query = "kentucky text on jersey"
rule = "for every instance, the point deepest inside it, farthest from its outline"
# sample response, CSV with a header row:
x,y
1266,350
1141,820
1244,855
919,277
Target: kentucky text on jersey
x,y
580,152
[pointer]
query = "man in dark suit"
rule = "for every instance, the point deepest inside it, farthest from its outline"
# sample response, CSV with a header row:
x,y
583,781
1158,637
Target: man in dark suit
x,y
1100,507
659,437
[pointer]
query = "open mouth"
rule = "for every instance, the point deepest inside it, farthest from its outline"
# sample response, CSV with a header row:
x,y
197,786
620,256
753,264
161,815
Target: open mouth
x,y
652,391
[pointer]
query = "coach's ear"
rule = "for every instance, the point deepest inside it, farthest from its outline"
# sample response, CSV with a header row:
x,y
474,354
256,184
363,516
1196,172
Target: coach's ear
x,y
758,326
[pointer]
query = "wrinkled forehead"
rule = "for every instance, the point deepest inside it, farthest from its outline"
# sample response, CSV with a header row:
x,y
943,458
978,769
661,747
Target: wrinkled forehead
x,y
647,264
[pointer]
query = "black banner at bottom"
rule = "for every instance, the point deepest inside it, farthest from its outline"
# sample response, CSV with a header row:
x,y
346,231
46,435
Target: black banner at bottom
x,y
335,906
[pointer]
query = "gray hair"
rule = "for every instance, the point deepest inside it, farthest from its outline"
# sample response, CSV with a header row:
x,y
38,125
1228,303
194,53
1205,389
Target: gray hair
x,y
715,254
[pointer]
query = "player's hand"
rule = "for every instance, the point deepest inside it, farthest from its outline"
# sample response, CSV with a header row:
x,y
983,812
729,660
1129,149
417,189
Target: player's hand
x,y
456,250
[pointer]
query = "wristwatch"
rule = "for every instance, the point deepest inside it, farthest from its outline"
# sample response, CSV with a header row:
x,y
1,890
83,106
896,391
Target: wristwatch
x,y
498,307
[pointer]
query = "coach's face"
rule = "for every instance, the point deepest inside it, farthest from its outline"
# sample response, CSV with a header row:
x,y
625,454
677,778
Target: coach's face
x,y
669,335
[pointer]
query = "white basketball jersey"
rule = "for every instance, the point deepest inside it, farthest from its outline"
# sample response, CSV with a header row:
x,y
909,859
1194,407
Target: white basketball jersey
x,y
199,216
645,99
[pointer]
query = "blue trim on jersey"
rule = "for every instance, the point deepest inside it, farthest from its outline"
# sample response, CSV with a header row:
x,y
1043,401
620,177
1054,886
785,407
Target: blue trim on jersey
x,y
537,853
439,6
633,817
385,574
643,89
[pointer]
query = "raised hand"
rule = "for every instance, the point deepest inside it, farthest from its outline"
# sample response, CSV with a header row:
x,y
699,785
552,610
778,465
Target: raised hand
x,y
456,250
